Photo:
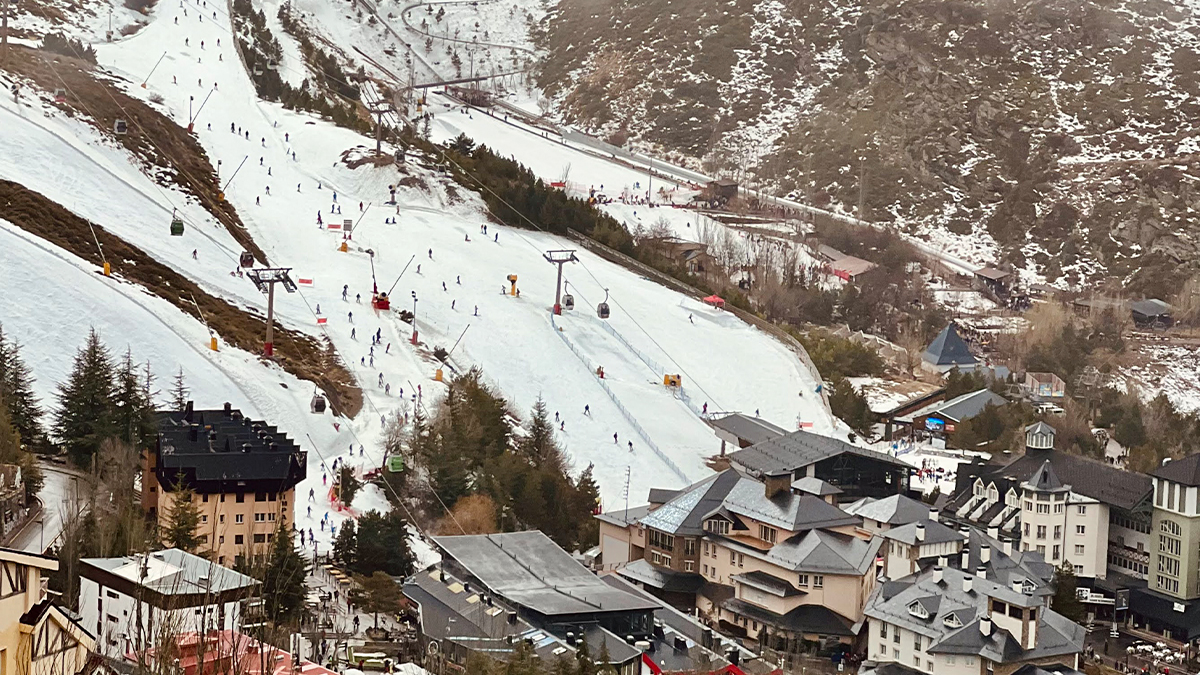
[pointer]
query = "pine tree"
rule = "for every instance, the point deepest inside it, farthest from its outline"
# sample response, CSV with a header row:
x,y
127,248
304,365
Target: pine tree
x,y
345,546
1065,600
11,452
85,402
538,443
383,545
16,385
347,485
283,580
133,413
376,593
179,392
183,519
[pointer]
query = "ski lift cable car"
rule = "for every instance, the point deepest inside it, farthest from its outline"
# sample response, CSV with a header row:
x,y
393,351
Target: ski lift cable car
x,y
246,259
176,224
568,300
318,403
120,127
602,309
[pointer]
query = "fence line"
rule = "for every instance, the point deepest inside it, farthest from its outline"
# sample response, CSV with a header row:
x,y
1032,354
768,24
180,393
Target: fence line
x,y
624,411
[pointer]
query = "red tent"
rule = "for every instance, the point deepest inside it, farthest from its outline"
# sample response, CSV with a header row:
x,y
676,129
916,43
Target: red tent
x,y
715,301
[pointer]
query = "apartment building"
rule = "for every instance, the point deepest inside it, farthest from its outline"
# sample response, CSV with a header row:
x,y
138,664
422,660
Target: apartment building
x,y
880,515
242,474
755,558
36,636
945,621
134,602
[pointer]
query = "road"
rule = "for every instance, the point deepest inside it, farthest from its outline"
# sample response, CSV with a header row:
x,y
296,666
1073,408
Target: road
x,y
58,496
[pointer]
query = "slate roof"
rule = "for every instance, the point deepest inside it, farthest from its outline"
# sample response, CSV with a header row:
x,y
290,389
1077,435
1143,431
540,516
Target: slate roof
x,y
991,273
663,495
1039,428
786,510
624,517
1150,307
893,510
804,619
935,533
1089,477
217,447
799,449
769,583
815,486
823,552
889,603
1003,568
751,429
1044,479
661,578
530,570
684,514
1185,471
949,349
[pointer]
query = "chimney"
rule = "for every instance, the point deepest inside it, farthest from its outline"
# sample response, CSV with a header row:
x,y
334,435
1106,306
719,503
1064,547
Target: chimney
x,y
228,409
680,643
777,482
994,532
935,515
1017,585
188,411
1006,546
966,560
985,626
967,579
985,554
937,574
570,639
942,561
981,572
920,532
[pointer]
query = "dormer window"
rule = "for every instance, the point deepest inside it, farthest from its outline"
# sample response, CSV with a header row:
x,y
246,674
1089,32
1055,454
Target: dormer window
x,y
918,610
1028,586
993,493
979,488
717,525
951,621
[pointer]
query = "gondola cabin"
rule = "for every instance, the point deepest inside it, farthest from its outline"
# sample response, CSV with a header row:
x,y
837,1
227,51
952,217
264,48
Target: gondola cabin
x,y
176,226
246,259
60,95
318,404
120,127
568,301
602,310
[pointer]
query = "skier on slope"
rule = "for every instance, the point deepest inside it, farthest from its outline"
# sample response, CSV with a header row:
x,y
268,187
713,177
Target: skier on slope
x,y
614,438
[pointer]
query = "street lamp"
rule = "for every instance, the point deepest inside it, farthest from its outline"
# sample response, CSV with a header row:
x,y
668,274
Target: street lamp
x,y
414,335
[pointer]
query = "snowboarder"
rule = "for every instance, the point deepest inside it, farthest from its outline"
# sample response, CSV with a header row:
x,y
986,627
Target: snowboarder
x,y
452,303
467,237
388,349
458,280
443,286
418,269
705,410
690,320
269,173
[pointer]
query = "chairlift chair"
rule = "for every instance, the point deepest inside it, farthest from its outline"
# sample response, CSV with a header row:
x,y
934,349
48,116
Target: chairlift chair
x,y
602,309
318,404
120,127
246,259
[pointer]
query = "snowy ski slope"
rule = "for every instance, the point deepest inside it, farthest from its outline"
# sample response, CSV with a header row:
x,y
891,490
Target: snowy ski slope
x,y
724,362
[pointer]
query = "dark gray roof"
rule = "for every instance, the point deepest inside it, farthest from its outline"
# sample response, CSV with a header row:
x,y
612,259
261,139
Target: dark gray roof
x,y
663,495
661,578
799,449
530,570
623,517
930,603
1185,471
786,510
893,510
962,407
823,552
1045,479
751,429
215,447
815,619
684,514
769,583
935,533
991,273
1026,567
1150,307
1039,428
948,349
1095,479
815,486
1046,669
890,668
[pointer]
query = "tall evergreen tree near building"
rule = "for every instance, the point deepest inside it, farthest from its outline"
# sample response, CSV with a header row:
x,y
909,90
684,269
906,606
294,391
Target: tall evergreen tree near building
x,y
376,593
16,386
133,409
12,452
179,391
345,545
183,519
85,402
383,545
1066,600
538,444
283,580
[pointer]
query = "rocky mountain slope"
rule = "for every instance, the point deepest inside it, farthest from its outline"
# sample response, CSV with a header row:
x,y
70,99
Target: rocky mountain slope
x,y
1057,136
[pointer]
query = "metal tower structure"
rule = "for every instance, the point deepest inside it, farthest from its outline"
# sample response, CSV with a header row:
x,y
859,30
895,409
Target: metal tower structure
x,y
264,279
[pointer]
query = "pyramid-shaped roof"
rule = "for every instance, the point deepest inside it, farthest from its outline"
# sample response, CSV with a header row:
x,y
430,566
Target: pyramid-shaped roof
x,y
1045,479
949,349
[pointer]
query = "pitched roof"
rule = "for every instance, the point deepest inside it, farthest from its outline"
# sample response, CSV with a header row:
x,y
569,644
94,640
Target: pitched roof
x,y
799,449
991,273
823,552
1185,471
173,572
1150,307
935,533
213,446
684,514
1045,479
813,619
815,486
751,429
1098,480
1039,428
661,578
893,510
530,570
786,510
948,349
769,583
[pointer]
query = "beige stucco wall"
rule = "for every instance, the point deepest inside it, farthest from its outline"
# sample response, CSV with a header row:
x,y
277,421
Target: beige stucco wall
x,y
1094,540
219,521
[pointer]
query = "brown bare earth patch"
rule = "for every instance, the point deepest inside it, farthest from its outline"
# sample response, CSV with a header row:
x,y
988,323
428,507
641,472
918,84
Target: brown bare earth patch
x,y
171,154
301,355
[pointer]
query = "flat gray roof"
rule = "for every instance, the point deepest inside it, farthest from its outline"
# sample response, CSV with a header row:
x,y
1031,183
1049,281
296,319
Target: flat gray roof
x,y
752,429
530,570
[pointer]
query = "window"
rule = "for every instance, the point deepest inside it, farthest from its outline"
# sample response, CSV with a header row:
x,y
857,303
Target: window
x,y
767,534
733,557
951,659
741,560
1054,552
111,594
1171,527
1169,545
1026,529
1058,531
221,539
1078,549
1043,508
260,538
260,517
1028,505
717,525
1041,550
271,518
917,643
662,540
1166,584
1058,508
241,497
204,498
918,610
818,580
1168,565
802,581
1078,570
1081,509
896,654
222,500
221,519
951,621
917,661
705,569
978,489
689,545
1041,531
239,518
883,651
706,548
883,630
689,566
896,635
239,539
1080,529
260,496
929,666
271,497
204,519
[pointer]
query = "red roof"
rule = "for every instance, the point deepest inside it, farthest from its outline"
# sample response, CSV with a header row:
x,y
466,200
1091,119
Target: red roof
x,y
227,652
715,300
